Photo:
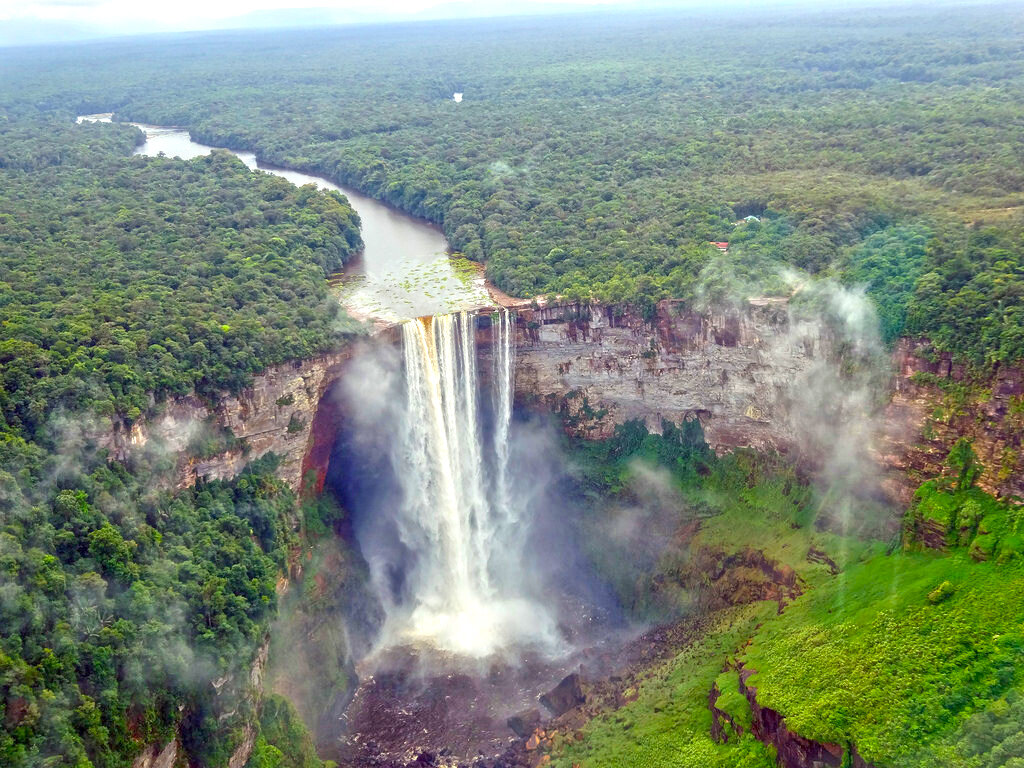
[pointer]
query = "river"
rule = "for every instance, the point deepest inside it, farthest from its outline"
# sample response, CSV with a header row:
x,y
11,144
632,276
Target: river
x,y
405,269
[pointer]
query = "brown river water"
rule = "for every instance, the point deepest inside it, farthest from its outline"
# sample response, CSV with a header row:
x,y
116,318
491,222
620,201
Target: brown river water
x,y
405,269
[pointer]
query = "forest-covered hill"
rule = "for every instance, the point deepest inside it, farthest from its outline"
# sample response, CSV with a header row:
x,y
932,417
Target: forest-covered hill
x,y
597,156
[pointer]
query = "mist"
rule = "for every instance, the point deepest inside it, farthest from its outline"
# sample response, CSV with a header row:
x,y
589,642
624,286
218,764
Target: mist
x,y
459,515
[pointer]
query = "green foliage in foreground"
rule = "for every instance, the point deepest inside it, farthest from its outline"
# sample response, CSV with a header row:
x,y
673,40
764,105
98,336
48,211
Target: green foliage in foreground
x,y
669,723
872,659
119,604
914,657
896,652
993,738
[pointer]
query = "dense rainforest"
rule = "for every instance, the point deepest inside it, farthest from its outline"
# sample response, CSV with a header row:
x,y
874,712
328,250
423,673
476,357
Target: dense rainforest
x,y
124,281
595,157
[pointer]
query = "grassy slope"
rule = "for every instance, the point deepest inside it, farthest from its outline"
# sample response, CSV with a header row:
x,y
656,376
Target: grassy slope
x,y
870,659
669,723
874,656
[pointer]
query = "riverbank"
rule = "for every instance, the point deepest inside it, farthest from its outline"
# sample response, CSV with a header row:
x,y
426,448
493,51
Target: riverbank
x,y
406,268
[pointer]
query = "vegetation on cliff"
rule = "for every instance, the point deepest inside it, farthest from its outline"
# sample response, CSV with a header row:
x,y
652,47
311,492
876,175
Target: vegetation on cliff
x,y
898,653
284,741
907,654
130,614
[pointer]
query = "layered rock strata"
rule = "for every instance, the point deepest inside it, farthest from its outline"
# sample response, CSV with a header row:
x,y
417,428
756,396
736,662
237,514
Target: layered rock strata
x,y
275,415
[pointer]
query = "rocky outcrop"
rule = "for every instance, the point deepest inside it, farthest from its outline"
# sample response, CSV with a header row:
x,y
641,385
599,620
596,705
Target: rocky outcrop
x,y
275,415
525,723
723,725
721,579
734,370
793,750
564,696
935,402
244,693
254,692
155,756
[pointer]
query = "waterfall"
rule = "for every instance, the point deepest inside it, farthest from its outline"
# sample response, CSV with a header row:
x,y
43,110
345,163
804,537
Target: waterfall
x,y
462,528
503,341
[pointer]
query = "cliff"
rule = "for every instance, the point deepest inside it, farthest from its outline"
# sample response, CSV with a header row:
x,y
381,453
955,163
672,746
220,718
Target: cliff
x,y
792,750
733,369
276,414
936,401
756,376
243,694
745,373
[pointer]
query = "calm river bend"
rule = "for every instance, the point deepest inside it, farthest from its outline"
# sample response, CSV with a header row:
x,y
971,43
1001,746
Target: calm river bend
x,y
405,269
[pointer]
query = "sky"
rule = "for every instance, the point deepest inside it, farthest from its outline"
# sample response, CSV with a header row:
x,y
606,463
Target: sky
x,y
29,21
202,13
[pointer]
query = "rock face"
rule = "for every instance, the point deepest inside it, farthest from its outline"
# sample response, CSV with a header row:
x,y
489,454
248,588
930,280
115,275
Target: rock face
x,y
721,579
244,750
564,696
745,374
156,757
276,414
935,402
525,723
741,372
733,370
792,750
723,725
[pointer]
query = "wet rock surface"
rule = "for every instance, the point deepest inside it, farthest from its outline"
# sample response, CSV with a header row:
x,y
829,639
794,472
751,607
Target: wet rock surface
x,y
418,706
564,696
407,718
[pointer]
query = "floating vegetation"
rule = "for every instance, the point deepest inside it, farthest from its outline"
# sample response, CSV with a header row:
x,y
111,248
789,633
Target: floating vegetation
x,y
416,288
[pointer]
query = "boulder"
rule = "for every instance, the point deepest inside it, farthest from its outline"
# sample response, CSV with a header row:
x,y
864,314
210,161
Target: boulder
x,y
524,723
567,695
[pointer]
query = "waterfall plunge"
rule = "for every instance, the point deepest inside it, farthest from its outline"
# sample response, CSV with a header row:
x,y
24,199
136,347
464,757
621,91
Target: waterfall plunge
x,y
458,513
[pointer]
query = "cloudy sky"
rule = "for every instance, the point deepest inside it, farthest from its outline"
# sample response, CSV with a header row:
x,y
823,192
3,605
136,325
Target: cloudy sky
x,y
27,20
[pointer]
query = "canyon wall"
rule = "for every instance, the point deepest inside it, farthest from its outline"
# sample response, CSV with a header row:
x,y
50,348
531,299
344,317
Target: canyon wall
x,y
747,374
276,414
744,373
936,401
734,370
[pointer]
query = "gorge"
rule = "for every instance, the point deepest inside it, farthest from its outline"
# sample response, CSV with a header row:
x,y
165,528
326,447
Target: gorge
x,y
747,372
628,388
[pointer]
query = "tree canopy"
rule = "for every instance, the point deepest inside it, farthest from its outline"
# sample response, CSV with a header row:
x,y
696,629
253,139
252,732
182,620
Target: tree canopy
x,y
595,156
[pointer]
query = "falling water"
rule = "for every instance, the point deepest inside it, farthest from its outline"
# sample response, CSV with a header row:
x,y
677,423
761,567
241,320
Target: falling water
x,y
504,370
462,528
